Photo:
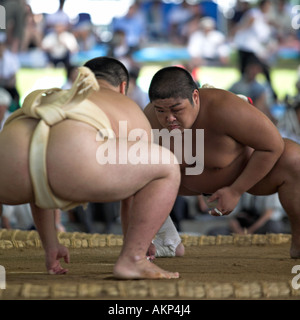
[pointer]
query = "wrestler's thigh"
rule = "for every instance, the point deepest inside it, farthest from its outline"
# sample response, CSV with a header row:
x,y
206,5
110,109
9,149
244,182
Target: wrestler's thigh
x,y
283,171
80,170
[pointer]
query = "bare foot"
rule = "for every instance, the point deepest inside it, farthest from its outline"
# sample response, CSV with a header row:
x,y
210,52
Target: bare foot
x,y
140,268
52,260
180,250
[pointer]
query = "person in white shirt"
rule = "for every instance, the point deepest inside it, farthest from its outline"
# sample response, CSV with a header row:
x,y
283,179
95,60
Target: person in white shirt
x,y
208,46
17,217
259,215
59,45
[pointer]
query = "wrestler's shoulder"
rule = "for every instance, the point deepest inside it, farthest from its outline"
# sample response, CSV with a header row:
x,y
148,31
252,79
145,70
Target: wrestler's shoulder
x,y
213,92
216,98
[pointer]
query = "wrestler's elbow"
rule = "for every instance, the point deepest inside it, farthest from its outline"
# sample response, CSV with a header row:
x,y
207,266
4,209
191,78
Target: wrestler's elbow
x,y
281,145
277,147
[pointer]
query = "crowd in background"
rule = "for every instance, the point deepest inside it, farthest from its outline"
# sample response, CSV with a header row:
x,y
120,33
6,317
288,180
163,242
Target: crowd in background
x,y
252,38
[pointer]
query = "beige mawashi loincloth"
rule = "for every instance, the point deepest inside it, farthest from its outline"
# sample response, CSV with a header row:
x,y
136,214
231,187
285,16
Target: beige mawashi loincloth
x,y
52,106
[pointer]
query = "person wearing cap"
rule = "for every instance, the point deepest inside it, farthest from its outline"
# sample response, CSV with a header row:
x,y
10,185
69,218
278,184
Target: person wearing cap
x,y
207,45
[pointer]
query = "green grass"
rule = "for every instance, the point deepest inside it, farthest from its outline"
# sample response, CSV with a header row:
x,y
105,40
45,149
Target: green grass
x,y
284,79
32,79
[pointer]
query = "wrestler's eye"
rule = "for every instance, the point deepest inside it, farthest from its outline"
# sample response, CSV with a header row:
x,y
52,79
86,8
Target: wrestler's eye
x,y
159,110
176,111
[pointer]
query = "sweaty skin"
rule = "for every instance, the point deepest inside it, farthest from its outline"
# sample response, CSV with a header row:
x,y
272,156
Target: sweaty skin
x,y
74,174
243,152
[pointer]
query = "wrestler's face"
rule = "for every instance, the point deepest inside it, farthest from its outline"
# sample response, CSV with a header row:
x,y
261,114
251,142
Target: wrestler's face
x,y
176,113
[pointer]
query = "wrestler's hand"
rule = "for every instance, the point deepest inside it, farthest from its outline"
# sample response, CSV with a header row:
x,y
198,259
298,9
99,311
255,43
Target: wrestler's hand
x,y
52,259
227,200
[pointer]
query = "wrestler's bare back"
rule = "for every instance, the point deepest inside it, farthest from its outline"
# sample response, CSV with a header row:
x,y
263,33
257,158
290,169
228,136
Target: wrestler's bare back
x,y
71,144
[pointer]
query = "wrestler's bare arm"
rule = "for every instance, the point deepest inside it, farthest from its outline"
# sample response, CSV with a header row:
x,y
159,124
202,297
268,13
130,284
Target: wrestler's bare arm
x,y
45,223
250,127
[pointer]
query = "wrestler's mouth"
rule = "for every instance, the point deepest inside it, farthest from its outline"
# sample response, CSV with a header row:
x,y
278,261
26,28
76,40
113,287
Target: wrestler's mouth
x,y
173,126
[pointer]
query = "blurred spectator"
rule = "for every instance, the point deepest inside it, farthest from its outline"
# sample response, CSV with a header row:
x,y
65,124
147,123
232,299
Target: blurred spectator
x,y
59,17
179,212
289,46
254,39
33,32
133,24
280,16
156,23
59,45
71,75
106,213
83,32
5,102
20,217
289,124
258,215
15,23
179,17
208,46
134,91
240,8
119,49
118,46
88,219
9,66
210,8
249,86
17,217
281,19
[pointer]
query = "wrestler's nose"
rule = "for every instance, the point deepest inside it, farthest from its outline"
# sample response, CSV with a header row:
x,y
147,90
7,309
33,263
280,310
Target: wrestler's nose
x,y
171,118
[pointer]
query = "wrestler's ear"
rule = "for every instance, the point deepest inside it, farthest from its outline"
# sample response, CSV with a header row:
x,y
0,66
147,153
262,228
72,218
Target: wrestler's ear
x,y
196,96
123,86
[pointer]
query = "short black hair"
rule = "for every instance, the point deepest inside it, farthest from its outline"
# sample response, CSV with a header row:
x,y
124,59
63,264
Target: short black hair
x,y
172,82
109,69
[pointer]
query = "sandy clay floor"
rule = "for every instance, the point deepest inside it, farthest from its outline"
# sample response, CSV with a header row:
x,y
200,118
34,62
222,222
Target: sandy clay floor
x,y
222,267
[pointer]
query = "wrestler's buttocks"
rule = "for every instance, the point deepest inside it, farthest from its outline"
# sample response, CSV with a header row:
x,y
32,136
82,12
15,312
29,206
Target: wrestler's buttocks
x,y
14,165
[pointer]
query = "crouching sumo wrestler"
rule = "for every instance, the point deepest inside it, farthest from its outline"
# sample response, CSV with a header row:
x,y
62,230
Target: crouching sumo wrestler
x,y
48,158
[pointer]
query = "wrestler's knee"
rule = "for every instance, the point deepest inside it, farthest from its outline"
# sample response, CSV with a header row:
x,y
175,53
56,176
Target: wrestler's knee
x,y
291,159
167,162
168,157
